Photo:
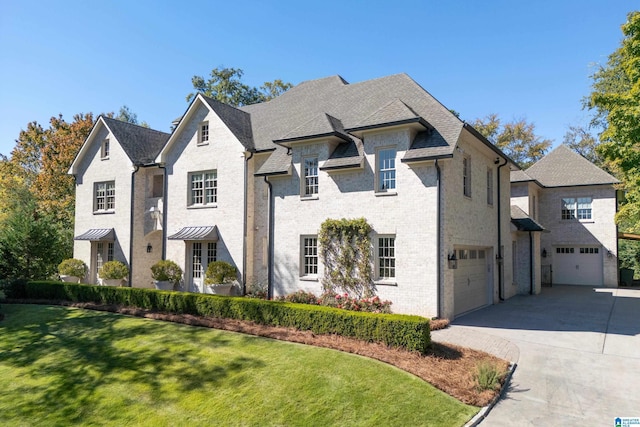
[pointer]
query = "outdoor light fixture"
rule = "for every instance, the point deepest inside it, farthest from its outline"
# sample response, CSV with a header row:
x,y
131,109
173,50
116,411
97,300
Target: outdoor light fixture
x,y
149,248
453,261
544,253
609,254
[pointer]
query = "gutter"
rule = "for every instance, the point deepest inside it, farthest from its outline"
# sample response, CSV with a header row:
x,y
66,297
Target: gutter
x,y
530,264
133,181
244,225
439,290
269,240
500,256
164,210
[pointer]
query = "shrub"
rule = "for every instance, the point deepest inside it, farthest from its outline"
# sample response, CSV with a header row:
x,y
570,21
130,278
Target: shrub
x,y
113,270
166,271
410,332
487,376
73,267
301,297
219,272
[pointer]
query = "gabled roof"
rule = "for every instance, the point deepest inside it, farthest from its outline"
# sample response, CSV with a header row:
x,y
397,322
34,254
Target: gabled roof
x,y
237,121
563,167
522,221
394,113
428,145
139,143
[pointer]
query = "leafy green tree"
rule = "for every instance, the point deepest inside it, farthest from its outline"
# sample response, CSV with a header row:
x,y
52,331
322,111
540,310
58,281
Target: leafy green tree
x,y
226,86
126,115
517,138
30,244
615,98
584,143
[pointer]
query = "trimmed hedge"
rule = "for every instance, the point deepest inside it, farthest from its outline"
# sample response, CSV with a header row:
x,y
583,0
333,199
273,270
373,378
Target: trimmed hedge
x,y
409,332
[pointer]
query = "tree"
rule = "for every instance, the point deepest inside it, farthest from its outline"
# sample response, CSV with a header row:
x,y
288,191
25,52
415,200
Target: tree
x,y
226,86
517,139
584,143
126,115
30,245
615,99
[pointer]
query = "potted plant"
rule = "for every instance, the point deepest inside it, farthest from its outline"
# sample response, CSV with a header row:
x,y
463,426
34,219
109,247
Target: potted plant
x,y
221,277
113,273
166,275
72,270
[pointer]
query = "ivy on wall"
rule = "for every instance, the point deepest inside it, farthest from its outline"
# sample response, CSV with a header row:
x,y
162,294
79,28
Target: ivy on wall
x,y
345,250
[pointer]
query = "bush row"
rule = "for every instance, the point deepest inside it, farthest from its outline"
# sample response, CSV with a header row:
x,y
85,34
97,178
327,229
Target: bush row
x,y
410,332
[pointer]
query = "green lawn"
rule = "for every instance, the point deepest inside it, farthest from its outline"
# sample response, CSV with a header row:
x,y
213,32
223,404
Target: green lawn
x,y
65,366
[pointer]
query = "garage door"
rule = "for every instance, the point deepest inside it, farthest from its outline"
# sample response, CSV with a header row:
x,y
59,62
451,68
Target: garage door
x,y
577,265
470,280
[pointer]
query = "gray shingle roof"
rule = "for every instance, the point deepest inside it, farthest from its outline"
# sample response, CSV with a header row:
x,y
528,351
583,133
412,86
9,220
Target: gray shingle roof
x,y
238,121
520,176
428,145
563,167
387,98
319,126
522,221
141,144
278,163
346,155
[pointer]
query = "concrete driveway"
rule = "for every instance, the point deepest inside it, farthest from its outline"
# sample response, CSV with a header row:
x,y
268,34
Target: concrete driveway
x,y
579,355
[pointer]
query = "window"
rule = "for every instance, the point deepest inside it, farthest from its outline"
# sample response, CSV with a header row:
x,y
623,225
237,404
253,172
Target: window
x,y
101,255
579,208
463,254
203,188
310,182
489,186
105,196
589,250
203,133
158,186
386,169
466,176
386,257
201,255
104,150
309,254
565,250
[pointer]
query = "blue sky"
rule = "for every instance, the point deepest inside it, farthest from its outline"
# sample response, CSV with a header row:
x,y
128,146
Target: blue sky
x,y
519,59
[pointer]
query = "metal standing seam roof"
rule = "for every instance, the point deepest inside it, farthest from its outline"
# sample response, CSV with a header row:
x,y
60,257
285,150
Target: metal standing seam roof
x,y
196,233
97,234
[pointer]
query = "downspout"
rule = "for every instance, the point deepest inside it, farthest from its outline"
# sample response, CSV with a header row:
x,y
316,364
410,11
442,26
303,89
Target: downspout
x,y
439,291
500,254
269,240
244,224
530,264
164,211
133,181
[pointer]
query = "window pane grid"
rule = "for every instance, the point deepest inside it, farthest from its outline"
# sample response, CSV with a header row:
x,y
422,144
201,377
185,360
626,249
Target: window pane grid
x,y
310,176
99,259
310,260
212,252
584,208
386,257
196,260
204,188
105,196
387,169
211,187
110,251
204,132
569,208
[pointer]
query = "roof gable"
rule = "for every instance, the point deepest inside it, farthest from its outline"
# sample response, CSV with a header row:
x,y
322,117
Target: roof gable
x,y
563,167
140,144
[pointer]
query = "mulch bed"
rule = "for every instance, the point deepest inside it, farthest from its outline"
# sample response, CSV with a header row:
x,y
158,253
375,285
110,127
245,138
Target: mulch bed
x,y
449,368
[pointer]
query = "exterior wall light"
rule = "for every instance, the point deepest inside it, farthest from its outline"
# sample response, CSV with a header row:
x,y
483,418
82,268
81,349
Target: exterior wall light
x,y
149,248
544,253
452,260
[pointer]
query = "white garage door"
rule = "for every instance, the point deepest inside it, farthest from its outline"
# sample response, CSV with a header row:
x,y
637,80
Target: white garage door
x,y
577,265
471,287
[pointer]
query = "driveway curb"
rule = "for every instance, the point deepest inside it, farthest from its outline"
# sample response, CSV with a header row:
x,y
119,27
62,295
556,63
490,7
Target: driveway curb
x,y
480,416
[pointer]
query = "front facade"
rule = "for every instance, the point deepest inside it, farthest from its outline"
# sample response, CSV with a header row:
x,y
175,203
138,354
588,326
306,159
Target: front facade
x,y
252,186
575,202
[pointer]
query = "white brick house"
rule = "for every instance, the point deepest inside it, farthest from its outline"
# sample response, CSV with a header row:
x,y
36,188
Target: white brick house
x,y
252,185
575,201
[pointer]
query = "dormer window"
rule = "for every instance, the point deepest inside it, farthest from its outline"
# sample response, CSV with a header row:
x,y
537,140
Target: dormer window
x,y
203,133
104,149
